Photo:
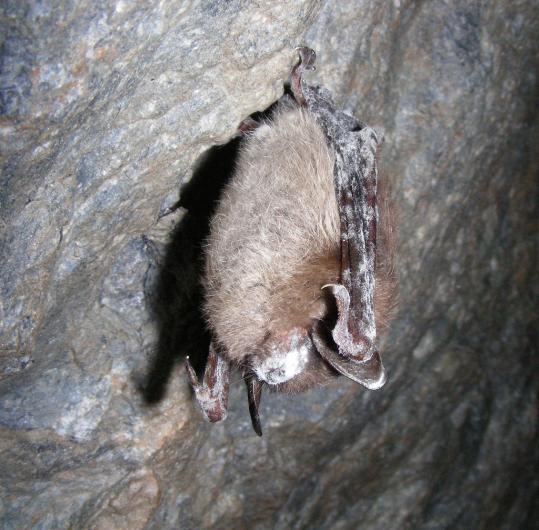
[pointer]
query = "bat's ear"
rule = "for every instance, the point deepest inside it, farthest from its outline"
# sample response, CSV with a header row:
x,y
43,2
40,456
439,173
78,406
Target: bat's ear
x,y
370,372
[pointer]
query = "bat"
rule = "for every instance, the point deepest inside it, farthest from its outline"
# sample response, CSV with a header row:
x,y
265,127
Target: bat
x,y
299,261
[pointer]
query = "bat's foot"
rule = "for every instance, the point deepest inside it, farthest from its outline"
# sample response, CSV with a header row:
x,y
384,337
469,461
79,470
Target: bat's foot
x,y
212,393
307,58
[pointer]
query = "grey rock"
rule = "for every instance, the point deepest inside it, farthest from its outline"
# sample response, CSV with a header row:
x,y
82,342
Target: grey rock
x,y
108,110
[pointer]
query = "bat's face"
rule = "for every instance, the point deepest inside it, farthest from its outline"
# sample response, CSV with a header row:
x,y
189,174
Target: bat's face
x,y
289,362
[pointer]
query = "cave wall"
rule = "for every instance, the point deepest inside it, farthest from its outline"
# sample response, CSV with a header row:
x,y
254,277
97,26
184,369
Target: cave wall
x,y
108,114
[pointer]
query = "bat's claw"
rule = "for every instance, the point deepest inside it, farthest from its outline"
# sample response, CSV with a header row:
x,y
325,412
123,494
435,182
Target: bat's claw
x,y
212,393
169,209
307,58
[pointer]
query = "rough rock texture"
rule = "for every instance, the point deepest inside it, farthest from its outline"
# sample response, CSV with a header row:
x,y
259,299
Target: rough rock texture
x,y
106,108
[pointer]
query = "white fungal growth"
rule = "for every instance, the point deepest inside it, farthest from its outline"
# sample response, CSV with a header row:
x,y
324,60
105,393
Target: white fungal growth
x,y
281,366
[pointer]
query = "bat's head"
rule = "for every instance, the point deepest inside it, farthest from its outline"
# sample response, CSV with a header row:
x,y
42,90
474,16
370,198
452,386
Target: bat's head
x,y
296,358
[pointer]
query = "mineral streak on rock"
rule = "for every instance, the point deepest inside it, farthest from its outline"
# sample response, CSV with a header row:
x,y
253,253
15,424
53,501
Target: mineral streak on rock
x,y
105,109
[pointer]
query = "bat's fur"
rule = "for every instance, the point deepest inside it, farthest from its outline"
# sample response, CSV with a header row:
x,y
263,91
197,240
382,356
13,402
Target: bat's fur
x,y
275,242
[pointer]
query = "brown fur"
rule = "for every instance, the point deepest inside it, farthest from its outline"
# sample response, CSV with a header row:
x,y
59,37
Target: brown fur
x,y
274,244
278,211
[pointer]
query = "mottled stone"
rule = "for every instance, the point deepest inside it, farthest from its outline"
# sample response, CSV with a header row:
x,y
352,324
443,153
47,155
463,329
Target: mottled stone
x,y
106,111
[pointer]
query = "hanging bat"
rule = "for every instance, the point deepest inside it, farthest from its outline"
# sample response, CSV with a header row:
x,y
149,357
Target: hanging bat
x,y
298,262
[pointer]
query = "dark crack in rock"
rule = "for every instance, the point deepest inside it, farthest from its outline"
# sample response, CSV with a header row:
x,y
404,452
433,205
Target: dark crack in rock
x,y
110,111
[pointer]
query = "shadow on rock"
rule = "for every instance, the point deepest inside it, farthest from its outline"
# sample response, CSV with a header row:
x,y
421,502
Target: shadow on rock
x,y
177,297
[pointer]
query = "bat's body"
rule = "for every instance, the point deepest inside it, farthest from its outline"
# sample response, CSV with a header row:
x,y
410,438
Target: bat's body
x,y
282,303
274,244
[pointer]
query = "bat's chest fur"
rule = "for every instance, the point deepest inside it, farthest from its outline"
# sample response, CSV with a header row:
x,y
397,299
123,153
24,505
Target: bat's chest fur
x,y
274,244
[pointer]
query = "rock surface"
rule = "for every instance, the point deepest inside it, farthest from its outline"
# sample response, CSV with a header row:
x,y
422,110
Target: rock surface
x,y
106,109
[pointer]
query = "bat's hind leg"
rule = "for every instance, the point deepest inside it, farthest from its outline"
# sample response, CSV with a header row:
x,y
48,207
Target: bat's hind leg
x,y
212,393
